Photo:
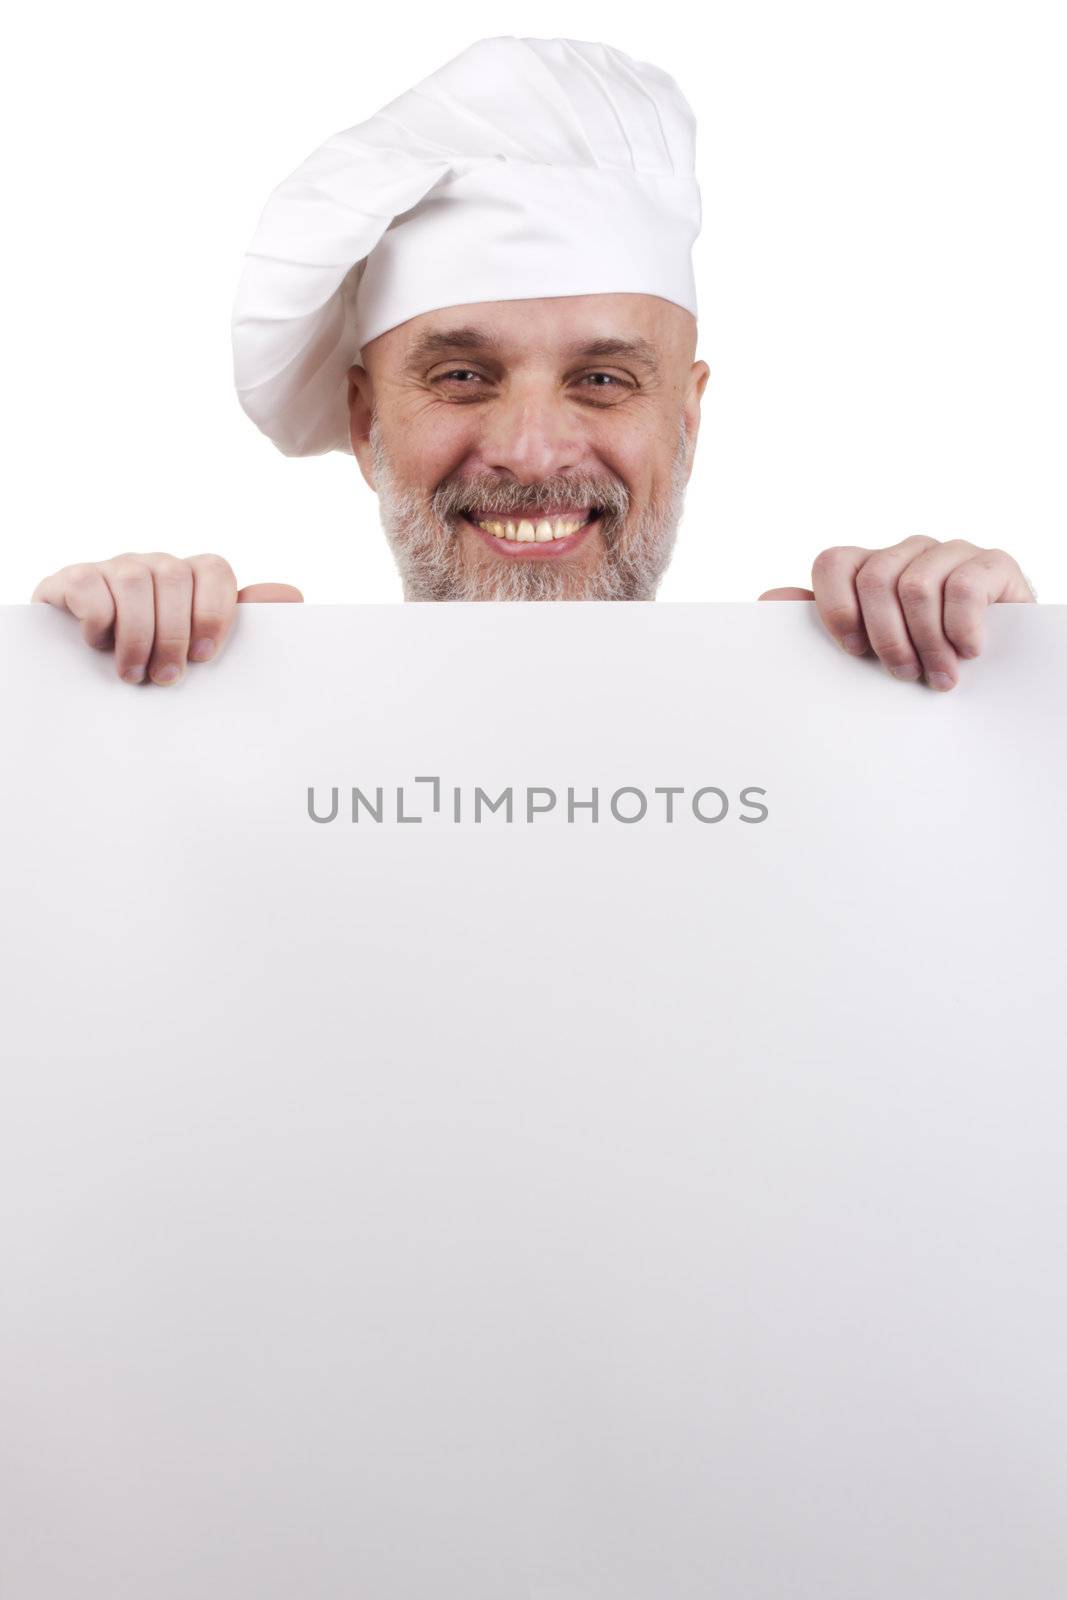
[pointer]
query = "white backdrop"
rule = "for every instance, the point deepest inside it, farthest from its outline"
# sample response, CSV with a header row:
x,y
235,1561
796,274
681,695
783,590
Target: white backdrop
x,y
880,275
533,1211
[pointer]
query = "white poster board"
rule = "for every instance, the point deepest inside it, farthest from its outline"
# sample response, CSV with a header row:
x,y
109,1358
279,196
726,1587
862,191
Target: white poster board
x,y
544,1209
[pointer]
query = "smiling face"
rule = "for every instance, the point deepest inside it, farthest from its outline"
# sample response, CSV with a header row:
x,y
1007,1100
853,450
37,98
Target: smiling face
x,y
531,449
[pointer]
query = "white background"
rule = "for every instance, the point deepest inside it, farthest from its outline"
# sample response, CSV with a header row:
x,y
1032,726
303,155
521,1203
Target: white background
x,y
880,277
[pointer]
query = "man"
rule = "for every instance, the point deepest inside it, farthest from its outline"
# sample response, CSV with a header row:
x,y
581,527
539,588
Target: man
x,y
485,293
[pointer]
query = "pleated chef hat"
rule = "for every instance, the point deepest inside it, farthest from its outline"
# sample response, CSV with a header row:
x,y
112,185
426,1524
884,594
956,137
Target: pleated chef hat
x,y
522,168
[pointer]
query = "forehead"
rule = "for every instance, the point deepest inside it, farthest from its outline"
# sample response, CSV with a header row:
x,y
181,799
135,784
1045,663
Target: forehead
x,y
638,327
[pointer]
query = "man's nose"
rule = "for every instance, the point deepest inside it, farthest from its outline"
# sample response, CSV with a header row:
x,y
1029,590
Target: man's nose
x,y
531,433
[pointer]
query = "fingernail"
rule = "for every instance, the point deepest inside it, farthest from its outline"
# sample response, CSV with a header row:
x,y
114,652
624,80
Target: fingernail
x,y
854,642
939,680
202,650
166,674
133,675
906,674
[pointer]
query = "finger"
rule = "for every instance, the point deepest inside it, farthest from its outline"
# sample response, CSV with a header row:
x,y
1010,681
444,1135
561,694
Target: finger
x,y
82,591
787,594
129,579
984,579
833,576
923,589
257,593
883,615
214,600
173,584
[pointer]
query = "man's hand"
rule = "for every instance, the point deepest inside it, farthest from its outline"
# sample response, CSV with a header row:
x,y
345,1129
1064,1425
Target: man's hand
x,y
151,608
918,604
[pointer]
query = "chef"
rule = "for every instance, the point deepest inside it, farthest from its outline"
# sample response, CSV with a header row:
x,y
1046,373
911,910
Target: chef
x,y
485,294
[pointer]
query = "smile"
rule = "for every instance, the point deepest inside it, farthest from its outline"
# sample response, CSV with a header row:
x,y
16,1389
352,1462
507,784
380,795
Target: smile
x,y
539,536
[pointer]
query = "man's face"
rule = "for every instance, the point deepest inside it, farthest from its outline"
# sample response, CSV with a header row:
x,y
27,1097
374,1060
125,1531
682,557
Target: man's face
x,y
572,419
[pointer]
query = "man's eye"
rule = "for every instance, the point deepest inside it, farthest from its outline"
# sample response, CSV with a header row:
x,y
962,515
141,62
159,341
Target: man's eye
x,y
463,375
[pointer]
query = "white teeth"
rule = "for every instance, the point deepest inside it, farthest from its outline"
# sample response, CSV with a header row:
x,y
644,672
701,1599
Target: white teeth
x,y
527,531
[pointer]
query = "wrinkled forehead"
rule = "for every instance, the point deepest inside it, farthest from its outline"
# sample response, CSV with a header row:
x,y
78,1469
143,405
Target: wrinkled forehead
x,y
638,329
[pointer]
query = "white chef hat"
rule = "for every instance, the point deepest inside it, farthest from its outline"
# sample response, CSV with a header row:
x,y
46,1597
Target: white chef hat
x,y
521,169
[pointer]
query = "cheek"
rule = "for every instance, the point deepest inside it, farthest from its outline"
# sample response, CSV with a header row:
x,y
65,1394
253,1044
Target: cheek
x,y
636,449
431,448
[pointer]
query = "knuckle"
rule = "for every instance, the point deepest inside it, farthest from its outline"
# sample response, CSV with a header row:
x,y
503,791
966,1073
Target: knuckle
x,y
885,643
212,621
938,660
172,571
216,564
873,582
827,559
134,557
133,648
915,589
961,586
129,571
82,575
898,655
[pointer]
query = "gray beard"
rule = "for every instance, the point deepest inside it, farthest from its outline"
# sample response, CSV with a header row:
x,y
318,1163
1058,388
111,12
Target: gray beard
x,y
424,538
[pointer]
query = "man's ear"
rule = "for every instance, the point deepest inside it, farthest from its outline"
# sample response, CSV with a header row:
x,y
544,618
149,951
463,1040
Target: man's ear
x,y
360,415
699,374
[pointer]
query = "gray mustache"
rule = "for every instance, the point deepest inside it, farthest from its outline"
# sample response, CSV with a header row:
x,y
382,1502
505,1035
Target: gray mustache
x,y
518,499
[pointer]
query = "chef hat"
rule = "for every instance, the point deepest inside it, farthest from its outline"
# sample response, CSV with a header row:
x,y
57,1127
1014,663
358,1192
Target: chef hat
x,y
521,169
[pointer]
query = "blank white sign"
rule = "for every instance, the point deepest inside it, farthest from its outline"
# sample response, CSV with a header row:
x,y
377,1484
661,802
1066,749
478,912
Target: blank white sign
x,y
536,1210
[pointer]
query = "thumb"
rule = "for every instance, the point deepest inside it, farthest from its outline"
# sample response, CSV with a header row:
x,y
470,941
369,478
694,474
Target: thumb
x,y
788,594
257,593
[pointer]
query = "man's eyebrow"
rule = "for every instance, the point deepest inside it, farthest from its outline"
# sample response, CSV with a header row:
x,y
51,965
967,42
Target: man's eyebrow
x,y
436,343
477,340
638,350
